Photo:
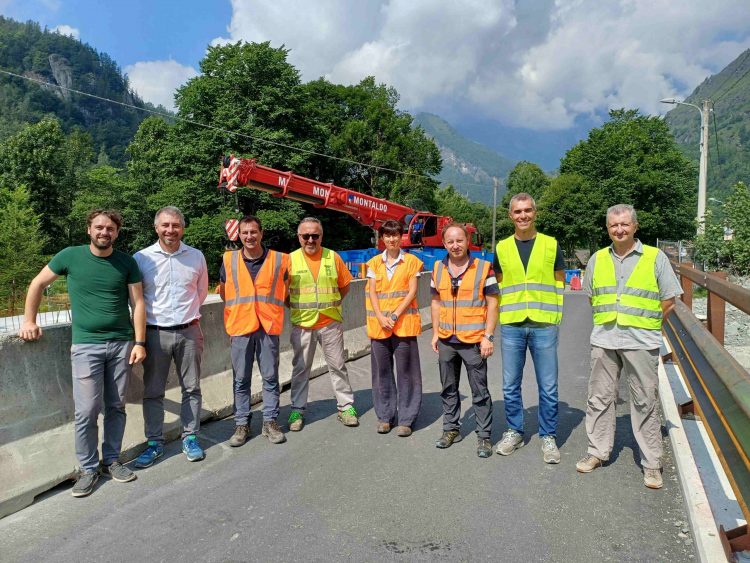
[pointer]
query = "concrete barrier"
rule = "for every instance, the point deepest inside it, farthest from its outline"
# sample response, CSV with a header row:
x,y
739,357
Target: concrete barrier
x,y
36,398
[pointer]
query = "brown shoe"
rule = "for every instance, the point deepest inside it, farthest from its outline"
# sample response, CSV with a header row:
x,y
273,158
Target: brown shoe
x,y
588,463
272,431
240,436
383,427
447,439
296,421
403,431
652,478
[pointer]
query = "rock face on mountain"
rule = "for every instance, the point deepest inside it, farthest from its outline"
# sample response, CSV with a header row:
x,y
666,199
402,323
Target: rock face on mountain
x,y
57,63
62,73
469,166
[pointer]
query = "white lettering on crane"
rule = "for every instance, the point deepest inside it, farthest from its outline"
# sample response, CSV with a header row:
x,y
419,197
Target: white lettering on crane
x,y
362,202
282,181
320,192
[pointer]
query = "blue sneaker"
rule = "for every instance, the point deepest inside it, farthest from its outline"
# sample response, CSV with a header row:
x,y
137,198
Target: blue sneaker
x,y
152,452
192,449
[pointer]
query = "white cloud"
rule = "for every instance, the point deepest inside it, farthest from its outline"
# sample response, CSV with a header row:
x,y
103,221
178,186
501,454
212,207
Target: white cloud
x,y
536,64
67,30
156,81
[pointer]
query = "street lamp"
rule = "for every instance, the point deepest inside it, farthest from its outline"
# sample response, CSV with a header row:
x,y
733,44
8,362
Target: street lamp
x,y
703,169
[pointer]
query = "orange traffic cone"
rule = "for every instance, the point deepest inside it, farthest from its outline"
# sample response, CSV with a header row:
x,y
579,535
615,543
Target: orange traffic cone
x,y
575,283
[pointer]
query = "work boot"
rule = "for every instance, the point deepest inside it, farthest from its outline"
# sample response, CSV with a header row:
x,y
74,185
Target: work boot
x,y
588,463
550,452
85,483
296,421
448,438
240,436
383,427
512,440
403,431
272,431
484,447
349,417
652,478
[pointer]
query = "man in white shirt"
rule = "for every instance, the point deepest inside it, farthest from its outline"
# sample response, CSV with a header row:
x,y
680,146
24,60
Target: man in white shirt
x,y
175,283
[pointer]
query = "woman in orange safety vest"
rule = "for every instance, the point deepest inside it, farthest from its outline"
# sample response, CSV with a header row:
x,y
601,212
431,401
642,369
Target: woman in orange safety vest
x,y
393,324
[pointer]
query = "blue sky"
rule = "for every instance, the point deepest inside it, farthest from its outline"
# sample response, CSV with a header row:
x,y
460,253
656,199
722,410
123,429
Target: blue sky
x,y
554,66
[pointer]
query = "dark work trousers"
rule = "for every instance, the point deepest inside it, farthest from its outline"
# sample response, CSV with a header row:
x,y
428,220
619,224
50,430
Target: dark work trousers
x,y
396,399
450,357
264,348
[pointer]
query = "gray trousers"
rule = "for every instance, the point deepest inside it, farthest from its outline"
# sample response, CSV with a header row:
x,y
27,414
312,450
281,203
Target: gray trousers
x,y
100,376
185,347
450,358
641,369
331,339
396,399
245,349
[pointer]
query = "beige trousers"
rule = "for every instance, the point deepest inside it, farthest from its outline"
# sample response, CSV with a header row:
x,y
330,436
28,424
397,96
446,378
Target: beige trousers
x,y
331,340
640,367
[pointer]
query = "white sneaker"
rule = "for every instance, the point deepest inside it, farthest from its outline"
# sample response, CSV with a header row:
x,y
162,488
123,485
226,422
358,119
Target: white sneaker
x,y
549,450
511,441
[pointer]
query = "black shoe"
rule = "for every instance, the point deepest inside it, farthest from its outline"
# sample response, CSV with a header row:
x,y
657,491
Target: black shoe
x,y
447,439
484,447
118,472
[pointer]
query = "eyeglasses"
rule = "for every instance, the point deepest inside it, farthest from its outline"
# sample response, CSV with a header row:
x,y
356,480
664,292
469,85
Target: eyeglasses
x,y
306,236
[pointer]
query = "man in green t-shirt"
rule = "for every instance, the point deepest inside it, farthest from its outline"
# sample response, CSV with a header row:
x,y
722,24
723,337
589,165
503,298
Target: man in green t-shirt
x,y
101,281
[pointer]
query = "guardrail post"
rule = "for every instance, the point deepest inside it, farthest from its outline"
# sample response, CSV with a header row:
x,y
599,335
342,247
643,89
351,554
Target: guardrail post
x,y
687,287
716,311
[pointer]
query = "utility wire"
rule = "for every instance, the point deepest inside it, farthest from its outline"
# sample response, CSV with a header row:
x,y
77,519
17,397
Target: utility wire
x,y
214,128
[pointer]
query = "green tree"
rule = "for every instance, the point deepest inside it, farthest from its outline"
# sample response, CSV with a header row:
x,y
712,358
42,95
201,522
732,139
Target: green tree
x,y
524,177
21,245
455,205
634,159
572,211
738,219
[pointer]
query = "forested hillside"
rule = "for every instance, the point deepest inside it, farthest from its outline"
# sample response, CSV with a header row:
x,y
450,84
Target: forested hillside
x,y
729,128
467,165
30,51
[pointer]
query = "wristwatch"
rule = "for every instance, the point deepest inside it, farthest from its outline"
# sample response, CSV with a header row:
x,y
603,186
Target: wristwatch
x,y
394,317
139,343
490,337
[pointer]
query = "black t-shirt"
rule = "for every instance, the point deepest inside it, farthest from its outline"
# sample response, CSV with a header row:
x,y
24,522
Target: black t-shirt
x,y
524,251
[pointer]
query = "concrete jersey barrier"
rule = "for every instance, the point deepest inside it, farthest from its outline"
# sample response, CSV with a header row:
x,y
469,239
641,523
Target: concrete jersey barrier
x,y
36,397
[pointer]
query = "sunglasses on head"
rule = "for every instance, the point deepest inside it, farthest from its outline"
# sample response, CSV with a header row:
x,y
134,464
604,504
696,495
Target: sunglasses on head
x,y
314,236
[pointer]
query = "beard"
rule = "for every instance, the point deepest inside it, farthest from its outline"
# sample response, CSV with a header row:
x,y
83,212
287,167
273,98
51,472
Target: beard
x,y
101,244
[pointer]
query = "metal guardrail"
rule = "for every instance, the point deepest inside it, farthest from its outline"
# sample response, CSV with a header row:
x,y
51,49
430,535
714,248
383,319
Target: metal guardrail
x,y
718,384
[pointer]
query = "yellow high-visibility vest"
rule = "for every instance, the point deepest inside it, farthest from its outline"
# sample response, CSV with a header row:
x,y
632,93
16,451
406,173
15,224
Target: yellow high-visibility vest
x,y
533,293
638,305
308,297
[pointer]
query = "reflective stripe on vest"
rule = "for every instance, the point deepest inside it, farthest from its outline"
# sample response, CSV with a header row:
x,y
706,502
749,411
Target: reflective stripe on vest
x,y
390,295
465,314
638,304
310,297
250,304
532,293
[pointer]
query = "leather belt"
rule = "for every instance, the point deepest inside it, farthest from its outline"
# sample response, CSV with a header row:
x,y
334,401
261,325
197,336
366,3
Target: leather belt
x,y
174,327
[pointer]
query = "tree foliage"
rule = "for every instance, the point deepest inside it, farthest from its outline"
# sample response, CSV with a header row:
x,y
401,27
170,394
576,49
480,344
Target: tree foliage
x,y
634,159
461,209
734,253
21,243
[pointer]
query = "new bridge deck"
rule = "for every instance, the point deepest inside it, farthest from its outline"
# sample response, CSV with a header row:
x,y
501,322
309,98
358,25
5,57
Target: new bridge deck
x,y
336,493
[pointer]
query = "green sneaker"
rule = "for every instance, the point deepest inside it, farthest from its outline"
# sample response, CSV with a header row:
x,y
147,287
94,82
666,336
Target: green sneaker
x,y
349,417
296,421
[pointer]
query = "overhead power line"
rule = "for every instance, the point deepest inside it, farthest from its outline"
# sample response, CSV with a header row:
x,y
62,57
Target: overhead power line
x,y
214,128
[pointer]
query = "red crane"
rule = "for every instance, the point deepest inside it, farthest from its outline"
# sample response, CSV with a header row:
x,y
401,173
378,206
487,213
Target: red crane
x,y
422,228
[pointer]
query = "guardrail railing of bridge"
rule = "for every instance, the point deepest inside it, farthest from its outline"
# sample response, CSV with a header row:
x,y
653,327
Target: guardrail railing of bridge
x,y
718,384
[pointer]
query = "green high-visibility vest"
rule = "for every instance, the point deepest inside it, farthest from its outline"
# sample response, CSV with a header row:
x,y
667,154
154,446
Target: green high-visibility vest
x,y
308,297
533,293
638,305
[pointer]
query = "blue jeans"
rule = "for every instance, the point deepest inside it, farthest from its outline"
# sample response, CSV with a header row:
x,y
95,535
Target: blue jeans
x,y
542,342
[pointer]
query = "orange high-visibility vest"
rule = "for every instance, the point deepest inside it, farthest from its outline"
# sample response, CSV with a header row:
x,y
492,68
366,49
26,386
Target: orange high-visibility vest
x,y
390,294
249,305
465,314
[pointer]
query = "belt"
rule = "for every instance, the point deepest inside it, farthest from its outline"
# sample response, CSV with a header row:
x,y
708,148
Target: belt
x,y
174,327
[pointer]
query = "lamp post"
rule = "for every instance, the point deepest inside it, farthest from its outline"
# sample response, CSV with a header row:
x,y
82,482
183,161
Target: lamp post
x,y
703,168
494,210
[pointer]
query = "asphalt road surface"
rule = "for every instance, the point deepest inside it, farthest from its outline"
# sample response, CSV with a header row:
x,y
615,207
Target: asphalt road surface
x,y
333,493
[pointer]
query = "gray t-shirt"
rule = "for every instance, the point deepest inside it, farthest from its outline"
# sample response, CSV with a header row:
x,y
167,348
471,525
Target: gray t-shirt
x,y
613,336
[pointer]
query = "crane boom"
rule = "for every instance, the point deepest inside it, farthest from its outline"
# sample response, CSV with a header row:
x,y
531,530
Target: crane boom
x,y
366,209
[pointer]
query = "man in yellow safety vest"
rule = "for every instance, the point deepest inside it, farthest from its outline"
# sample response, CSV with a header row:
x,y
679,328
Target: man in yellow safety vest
x,y
632,288
319,281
